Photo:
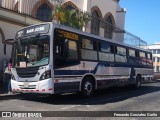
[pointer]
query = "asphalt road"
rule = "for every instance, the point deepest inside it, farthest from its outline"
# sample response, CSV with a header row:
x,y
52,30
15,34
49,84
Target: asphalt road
x,y
126,99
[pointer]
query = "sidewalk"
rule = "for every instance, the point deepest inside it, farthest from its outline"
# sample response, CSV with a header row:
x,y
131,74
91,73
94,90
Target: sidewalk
x,y
4,90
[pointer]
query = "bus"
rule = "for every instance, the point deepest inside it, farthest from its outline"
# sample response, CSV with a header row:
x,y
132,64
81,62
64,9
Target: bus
x,y
51,58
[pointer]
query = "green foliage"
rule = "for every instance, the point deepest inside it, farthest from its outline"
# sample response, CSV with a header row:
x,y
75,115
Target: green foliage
x,y
70,17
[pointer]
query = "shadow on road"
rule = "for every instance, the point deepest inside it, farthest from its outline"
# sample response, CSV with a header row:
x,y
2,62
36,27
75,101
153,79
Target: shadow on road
x,y
109,95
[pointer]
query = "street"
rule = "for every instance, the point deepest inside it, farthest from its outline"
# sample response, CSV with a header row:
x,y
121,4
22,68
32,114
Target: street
x,y
147,98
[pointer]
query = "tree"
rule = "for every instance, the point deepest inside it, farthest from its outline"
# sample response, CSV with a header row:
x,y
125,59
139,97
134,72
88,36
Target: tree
x,y
70,17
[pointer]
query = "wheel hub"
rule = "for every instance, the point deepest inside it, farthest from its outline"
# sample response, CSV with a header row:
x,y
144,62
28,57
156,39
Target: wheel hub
x,y
88,87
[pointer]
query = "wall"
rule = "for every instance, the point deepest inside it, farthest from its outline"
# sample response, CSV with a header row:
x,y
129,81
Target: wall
x,y
9,31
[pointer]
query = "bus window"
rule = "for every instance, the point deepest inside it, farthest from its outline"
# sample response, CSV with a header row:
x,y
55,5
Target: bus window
x,y
149,56
120,55
149,59
66,52
132,56
89,49
132,53
143,58
104,47
105,52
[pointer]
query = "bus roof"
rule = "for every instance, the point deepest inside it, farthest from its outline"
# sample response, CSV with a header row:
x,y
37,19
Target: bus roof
x,y
54,25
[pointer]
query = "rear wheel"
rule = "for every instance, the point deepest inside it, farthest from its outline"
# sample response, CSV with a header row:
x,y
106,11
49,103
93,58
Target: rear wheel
x,y
87,87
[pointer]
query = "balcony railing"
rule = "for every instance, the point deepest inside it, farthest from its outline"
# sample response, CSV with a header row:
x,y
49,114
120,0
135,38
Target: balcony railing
x,y
42,10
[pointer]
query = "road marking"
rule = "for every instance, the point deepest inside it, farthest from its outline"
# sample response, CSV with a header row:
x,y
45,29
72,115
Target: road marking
x,y
88,106
64,108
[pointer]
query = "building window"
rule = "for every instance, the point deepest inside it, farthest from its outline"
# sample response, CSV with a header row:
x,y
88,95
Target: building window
x,y
158,51
108,30
154,59
95,23
69,7
157,69
154,51
44,13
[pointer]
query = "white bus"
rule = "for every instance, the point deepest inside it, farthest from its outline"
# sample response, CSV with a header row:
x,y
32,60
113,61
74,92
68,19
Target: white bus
x,y
54,59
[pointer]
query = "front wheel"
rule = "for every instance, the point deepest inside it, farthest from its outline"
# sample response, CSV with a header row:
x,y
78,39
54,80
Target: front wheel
x,y
87,87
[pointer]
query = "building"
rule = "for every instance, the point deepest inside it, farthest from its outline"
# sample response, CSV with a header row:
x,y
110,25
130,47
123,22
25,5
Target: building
x,y
15,14
155,49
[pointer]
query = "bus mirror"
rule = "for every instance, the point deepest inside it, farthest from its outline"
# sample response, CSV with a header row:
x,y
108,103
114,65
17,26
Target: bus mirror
x,y
4,48
8,41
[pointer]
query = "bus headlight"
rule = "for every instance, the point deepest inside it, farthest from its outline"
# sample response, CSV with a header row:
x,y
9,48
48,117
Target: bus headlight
x,y
46,75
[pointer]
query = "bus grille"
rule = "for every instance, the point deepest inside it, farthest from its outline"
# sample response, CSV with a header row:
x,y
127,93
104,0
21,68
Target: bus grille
x,y
27,72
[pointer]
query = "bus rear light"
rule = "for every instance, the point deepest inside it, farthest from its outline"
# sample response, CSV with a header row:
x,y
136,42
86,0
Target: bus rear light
x,y
56,80
31,90
50,89
17,89
37,90
43,90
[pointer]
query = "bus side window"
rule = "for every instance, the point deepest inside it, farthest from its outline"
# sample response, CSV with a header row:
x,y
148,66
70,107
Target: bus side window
x,y
120,55
66,53
88,49
149,59
142,58
132,56
138,58
105,52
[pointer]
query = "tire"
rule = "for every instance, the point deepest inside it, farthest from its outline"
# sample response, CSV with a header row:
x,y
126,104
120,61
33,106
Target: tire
x,y
87,87
138,82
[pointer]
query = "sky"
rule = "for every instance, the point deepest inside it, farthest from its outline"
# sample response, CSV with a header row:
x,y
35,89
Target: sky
x,y
143,19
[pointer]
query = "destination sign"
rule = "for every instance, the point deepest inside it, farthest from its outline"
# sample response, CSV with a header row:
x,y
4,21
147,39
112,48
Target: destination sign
x,y
68,35
43,28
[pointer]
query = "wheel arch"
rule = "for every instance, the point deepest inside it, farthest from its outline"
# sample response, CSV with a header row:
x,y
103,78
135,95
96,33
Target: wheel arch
x,y
91,76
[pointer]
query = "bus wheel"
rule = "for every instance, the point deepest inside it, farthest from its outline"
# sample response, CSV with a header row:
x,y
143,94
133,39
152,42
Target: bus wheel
x,y
87,88
138,81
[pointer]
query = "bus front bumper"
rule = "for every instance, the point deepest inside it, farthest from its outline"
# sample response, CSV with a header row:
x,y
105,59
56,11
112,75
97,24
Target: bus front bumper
x,y
45,86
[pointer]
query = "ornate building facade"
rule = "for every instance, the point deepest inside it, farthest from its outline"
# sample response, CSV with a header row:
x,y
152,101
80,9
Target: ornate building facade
x,y
15,14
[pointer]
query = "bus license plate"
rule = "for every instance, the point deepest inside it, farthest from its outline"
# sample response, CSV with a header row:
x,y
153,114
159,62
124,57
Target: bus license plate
x,y
26,85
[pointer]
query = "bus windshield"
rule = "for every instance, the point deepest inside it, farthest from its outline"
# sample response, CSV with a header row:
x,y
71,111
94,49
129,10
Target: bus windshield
x,y
32,51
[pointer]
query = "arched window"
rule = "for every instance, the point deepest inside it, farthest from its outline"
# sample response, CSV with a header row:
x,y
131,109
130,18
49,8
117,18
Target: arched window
x,y
108,29
70,5
44,13
95,23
